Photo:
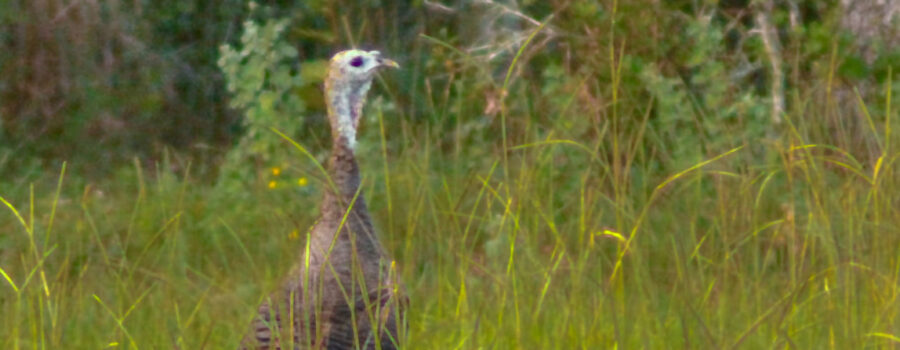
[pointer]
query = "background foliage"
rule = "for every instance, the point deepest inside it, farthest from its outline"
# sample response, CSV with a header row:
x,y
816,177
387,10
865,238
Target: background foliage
x,y
547,174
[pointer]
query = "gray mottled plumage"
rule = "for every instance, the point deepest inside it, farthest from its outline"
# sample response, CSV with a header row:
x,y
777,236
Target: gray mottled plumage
x,y
344,293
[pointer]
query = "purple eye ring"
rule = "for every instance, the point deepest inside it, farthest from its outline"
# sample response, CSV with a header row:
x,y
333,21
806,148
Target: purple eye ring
x,y
356,61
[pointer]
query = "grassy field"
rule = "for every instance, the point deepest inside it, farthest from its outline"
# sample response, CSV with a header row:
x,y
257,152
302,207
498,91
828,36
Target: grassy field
x,y
558,222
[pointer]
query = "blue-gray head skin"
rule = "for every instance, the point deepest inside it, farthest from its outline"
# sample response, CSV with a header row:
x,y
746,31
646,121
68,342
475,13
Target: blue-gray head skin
x,y
349,77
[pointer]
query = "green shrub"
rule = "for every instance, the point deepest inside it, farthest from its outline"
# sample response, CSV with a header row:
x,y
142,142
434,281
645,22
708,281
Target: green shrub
x,y
262,83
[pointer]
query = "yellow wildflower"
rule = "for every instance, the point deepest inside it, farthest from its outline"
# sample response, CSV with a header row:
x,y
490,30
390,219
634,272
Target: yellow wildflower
x,y
272,185
302,182
276,171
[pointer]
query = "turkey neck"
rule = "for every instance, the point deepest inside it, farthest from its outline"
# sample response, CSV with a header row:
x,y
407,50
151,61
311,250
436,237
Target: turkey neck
x,y
344,172
344,110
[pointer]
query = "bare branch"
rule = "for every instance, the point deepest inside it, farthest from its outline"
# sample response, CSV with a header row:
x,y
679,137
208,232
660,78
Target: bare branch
x,y
769,36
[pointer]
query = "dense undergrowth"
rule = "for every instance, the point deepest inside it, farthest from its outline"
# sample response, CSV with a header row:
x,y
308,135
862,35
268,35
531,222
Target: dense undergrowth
x,y
607,182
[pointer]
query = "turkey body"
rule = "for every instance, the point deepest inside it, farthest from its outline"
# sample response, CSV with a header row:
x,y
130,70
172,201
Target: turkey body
x,y
344,293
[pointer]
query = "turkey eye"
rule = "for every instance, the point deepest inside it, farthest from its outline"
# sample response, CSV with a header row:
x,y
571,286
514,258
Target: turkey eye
x,y
356,61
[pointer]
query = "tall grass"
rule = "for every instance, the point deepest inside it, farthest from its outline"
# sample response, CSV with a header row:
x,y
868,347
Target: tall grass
x,y
798,250
565,230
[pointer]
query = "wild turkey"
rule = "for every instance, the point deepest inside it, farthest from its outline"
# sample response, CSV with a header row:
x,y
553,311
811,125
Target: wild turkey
x,y
343,294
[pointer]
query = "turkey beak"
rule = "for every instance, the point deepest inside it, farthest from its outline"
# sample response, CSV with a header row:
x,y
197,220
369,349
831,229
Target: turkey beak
x,y
387,62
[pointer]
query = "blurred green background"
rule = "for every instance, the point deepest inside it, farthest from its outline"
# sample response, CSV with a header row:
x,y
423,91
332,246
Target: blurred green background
x,y
547,174
103,82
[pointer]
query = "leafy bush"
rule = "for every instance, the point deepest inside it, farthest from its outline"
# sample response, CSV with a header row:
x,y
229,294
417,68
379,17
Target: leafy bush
x,y
262,84
708,108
